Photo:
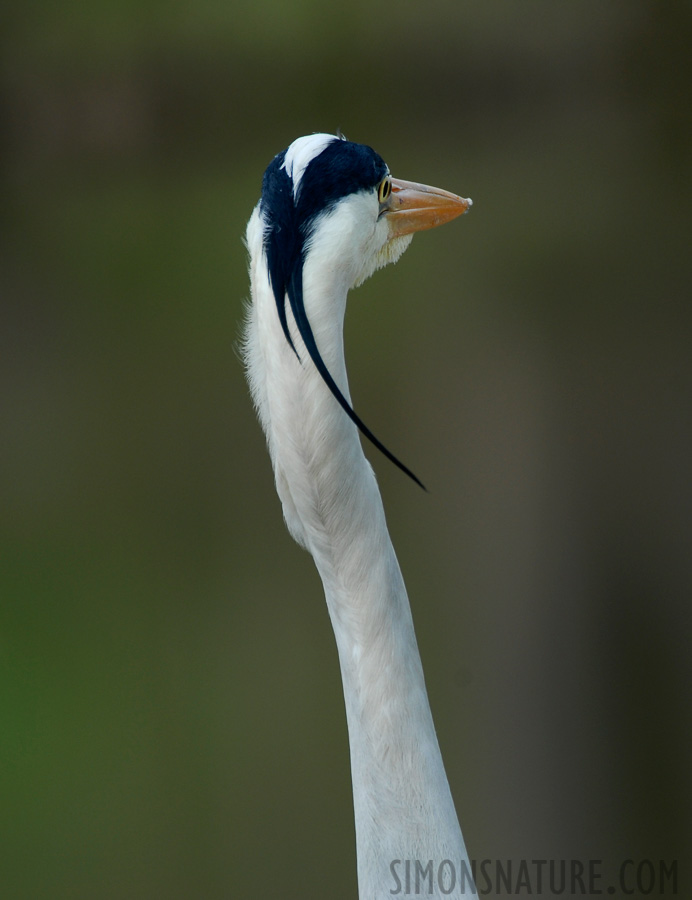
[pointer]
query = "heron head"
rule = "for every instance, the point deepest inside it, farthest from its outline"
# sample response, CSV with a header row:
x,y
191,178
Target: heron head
x,y
336,199
331,214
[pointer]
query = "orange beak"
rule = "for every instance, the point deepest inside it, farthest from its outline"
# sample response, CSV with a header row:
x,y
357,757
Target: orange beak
x,y
415,207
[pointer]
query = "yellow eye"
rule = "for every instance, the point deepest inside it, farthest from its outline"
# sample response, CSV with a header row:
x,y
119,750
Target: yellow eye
x,y
384,189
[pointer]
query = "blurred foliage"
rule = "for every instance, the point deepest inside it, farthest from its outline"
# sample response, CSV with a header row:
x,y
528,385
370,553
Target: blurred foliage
x,y
173,723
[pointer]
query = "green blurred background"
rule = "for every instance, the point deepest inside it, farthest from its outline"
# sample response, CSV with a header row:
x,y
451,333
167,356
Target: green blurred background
x,y
172,718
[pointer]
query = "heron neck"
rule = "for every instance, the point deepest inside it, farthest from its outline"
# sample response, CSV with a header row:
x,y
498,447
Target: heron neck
x,y
402,802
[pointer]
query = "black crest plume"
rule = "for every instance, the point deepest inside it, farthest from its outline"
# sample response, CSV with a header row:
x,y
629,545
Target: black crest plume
x,y
340,169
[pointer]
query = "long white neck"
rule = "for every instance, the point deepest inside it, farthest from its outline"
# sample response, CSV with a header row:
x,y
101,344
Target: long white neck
x,y
404,812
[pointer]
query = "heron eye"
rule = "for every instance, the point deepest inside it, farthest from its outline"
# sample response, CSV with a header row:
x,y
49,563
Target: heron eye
x,y
384,189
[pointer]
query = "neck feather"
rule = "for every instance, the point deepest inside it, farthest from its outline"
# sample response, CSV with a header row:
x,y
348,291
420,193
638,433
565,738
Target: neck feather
x,y
403,806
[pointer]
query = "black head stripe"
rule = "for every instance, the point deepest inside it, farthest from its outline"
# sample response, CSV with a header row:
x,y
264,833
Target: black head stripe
x,y
342,168
282,236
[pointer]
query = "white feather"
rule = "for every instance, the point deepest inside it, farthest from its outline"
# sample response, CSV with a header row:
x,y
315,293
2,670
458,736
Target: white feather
x,y
301,153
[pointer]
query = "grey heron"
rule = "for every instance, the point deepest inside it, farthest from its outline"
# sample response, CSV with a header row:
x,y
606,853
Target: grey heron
x,y
329,215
